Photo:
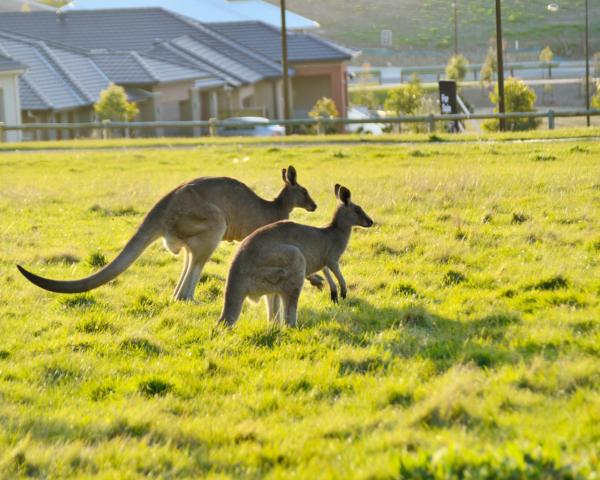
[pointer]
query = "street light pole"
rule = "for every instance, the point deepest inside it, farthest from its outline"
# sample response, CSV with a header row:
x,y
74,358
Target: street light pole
x,y
284,63
455,5
499,49
587,61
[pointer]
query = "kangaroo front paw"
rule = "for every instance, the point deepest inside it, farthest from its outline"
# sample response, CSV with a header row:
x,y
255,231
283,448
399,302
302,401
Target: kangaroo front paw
x,y
334,297
344,293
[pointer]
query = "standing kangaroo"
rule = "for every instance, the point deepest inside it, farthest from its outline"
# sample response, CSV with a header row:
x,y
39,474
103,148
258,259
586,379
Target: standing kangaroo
x,y
195,216
275,259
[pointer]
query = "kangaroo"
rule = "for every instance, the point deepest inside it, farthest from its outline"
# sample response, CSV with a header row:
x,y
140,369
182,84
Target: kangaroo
x,y
195,217
274,260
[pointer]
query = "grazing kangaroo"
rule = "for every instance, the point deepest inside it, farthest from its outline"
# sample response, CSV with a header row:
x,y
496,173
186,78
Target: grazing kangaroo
x,y
275,259
195,217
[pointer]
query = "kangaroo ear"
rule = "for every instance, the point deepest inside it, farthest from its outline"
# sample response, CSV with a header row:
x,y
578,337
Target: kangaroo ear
x,y
291,175
283,175
336,190
344,195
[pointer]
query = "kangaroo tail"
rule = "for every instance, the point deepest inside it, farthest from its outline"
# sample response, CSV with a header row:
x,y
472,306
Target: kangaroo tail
x,y
149,231
234,298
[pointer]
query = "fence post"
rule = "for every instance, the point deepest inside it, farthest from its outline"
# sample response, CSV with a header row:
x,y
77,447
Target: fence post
x,y
105,128
212,127
1,132
551,119
431,123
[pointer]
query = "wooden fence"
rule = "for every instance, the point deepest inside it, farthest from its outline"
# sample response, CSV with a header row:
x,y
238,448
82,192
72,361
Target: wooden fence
x,y
213,127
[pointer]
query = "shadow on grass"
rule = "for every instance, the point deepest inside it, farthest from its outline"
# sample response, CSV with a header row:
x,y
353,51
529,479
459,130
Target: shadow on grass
x,y
414,332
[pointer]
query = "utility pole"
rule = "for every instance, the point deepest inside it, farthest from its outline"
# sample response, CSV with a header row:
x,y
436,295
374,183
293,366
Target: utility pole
x,y
455,5
284,63
587,61
500,48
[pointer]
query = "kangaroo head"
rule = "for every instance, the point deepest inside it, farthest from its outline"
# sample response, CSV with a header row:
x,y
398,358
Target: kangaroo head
x,y
294,193
349,214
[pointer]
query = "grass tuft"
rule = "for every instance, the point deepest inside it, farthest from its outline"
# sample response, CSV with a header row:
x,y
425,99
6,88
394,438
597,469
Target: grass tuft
x,y
80,300
154,387
97,260
544,157
136,345
64,258
95,324
553,283
518,218
453,277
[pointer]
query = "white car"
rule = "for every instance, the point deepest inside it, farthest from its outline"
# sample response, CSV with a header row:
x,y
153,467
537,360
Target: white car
x,y
252,129
360,113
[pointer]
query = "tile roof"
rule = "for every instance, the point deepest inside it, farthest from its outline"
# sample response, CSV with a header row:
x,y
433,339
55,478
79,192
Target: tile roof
x,y
44,74
132,68
266,40
142,29
31,98
118,29
61,78
8,64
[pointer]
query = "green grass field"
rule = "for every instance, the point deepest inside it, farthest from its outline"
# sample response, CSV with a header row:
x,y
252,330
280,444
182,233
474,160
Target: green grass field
x,y
468,347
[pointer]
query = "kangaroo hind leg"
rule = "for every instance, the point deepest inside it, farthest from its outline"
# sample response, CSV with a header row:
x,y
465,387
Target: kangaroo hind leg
x,y
186,266
273,307
201,248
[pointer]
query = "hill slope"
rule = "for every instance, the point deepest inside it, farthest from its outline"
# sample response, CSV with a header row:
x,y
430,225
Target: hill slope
x,y
429,24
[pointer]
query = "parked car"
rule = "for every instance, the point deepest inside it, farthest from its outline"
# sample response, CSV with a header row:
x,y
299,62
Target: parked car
x,y
360,113
237,129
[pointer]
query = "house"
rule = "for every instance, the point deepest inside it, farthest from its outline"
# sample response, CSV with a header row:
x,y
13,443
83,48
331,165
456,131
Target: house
x,y
24,6
173,67
209,11
10,98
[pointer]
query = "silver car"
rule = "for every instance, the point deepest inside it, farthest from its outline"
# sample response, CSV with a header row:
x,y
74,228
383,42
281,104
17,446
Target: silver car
x,y
252,129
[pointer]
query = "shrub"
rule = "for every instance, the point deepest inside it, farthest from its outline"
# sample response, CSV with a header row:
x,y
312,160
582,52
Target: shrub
x,y
490,66
324,108
546,55
518,98
457,68
406,99
113,105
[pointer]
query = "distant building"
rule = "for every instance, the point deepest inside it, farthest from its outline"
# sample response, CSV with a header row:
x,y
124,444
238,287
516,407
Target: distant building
x,y
23,6
10,98
174,68
209,11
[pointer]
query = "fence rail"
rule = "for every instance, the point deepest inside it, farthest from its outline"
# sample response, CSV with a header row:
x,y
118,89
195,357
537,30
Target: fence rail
x,y
214,127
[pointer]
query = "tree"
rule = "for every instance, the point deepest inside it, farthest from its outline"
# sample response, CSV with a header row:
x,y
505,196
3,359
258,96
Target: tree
x,y
406,99
324,108
113,105
457,68
519,98
546,55
490,66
